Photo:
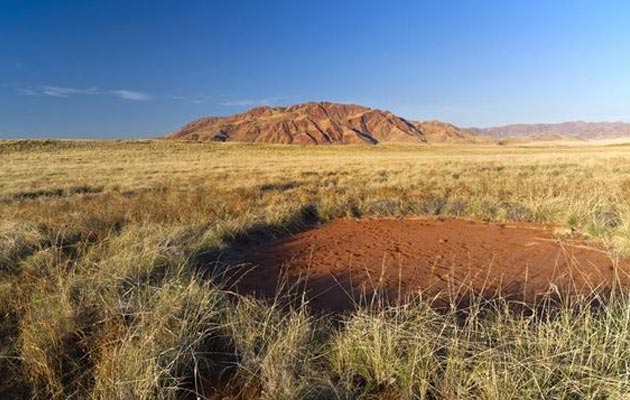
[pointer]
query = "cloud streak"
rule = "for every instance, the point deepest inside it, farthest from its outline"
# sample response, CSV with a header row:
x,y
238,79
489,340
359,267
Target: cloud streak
x,y
130,95
64,92
194,100
67,92
267,101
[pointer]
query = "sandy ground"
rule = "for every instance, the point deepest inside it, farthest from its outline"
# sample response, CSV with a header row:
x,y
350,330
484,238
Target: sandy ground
x,y
341,262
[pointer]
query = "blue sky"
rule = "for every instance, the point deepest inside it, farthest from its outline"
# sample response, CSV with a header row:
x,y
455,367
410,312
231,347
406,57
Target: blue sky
x,y
143,68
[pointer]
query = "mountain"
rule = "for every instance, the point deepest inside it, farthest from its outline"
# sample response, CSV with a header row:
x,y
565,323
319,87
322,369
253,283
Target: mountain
x,y
442,132
540,140
307,123
579,129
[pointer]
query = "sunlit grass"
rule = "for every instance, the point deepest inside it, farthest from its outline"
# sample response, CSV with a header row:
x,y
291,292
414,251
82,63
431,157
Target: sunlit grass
x,y
106,250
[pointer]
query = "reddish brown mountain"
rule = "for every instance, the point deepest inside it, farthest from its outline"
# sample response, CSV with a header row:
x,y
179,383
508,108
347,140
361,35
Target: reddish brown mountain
x,y
307,123
442,132
579,129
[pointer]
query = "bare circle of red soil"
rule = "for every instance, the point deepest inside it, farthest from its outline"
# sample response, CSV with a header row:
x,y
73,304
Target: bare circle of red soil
x,y
346,259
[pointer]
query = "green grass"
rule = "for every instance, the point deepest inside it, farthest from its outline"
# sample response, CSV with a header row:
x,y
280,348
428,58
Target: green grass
x,y
107,254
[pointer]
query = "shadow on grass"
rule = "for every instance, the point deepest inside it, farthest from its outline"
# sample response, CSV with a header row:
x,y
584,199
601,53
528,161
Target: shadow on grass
x,y
213,262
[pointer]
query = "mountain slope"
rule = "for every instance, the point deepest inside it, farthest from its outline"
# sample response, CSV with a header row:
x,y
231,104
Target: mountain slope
x,y
580,129
442,132
307,123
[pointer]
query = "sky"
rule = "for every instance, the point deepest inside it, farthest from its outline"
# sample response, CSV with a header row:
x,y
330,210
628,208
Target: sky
x,y
132,69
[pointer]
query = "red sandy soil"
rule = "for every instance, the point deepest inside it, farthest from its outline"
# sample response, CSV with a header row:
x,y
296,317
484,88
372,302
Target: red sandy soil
x,y
343,260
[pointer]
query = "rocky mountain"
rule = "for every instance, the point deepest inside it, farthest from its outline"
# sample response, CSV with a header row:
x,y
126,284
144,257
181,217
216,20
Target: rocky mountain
x,y
307,123
442,132
579,129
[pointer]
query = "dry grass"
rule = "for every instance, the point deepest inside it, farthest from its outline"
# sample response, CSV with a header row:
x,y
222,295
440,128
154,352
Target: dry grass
x,y
103,246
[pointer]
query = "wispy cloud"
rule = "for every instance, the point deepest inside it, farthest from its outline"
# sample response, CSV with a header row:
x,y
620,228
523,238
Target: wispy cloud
x,y
267,101
56,91
194,100
131,95
66,92
28,92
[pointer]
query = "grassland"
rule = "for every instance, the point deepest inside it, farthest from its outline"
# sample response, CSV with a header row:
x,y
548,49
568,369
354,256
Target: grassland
x,y
108,286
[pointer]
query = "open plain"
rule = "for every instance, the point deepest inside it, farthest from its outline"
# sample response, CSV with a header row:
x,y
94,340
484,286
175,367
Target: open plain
x,y
134,269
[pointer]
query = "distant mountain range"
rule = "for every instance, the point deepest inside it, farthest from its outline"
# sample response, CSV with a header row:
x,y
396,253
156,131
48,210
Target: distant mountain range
x,y
334,123
578,129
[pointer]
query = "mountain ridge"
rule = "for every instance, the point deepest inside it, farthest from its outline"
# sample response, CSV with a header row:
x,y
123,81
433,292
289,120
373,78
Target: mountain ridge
x,y
578,129
320,123
444,132
305,123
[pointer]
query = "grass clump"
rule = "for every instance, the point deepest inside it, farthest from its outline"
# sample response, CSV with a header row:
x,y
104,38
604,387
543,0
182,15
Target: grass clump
x,y
169,347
